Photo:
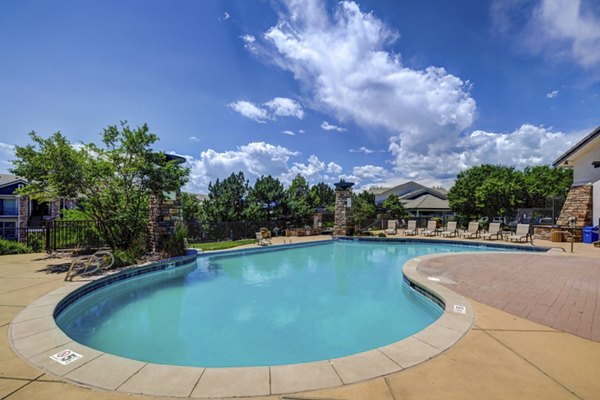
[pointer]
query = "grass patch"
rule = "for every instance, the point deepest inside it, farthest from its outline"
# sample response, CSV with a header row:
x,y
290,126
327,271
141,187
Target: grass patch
x,y
221,245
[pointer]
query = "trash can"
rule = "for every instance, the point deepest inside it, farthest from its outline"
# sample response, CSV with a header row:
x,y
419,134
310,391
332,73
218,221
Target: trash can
x,y
590,234
556,234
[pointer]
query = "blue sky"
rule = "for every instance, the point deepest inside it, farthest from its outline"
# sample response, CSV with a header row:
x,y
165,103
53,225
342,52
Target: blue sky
x,y
378,92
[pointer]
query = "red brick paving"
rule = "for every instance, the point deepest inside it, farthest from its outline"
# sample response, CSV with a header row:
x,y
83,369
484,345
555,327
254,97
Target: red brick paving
x,y
556,291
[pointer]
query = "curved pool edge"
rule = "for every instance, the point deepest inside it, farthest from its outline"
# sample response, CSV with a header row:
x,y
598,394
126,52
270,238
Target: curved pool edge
x,y
34,336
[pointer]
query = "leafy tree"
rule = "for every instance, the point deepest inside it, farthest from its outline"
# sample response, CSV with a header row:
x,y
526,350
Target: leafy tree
x,y
363,206
543,181
226,199
501,193
298,201
191,209
322,195
266,199
394,207
462,195
112,181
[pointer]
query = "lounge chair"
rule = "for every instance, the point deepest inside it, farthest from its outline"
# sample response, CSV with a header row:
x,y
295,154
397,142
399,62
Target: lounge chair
x,y
451,230
431,227
493,231
472,231
411,229
521,233
262,241
392,226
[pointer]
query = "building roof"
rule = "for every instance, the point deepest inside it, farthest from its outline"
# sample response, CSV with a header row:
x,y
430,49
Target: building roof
x,y
427,202
564,159
420,192
407,188
9,179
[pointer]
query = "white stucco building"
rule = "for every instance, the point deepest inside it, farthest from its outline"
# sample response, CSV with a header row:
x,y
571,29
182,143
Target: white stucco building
x,y
583,200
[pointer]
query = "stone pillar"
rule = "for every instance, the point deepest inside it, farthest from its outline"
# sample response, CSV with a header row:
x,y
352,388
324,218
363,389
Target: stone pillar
x,y
54,207
344,221
578,204
163,215
23,204
317,222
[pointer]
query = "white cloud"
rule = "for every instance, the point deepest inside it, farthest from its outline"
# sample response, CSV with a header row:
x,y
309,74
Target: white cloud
x,y
7,154
526,146
366,150
249,43
552,94
330,127
276,107
301,131
250,110
344,61
194,139
370,172
566,25
287,132
284,107
256,159
225,16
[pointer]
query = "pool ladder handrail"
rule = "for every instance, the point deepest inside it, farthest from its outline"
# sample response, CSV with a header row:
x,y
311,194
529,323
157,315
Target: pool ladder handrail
x,y
98,257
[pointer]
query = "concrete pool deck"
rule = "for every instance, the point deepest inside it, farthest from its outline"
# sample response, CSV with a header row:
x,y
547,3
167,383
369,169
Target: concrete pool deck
x,y
503,356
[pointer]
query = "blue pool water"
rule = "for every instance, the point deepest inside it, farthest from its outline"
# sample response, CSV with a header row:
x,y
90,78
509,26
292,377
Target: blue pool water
x,y
268,308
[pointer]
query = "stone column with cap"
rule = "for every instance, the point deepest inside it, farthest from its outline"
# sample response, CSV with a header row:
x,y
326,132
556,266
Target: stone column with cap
x,y
344,220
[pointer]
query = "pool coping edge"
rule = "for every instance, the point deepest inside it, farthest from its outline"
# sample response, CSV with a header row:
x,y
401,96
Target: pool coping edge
x,y
114,373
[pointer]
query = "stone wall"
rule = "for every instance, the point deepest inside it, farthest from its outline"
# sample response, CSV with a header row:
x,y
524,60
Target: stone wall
x,y
344,220
163,214
577,204
23,211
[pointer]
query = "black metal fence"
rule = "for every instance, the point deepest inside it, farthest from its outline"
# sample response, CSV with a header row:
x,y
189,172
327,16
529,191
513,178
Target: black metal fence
x,y
56,235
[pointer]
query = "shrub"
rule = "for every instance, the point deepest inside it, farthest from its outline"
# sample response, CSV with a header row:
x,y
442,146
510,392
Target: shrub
x,y
11,247
176,244
381,235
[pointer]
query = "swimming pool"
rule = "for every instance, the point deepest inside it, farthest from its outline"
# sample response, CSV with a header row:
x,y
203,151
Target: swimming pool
x,y
284,306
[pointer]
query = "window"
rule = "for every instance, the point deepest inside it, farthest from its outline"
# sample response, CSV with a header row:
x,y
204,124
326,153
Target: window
x,y
8,207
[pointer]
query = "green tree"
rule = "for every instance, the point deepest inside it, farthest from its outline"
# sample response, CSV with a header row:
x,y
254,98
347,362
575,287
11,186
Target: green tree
x,y
363,207
322,195
543,181
394,207
501,193
462,195
226,199
112,181
298,201
191,210
266,199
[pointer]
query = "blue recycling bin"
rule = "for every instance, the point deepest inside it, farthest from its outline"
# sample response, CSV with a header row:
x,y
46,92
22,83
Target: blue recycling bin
x,y
590,234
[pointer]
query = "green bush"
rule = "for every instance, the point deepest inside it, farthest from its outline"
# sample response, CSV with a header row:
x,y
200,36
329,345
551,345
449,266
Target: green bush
x,y
381,235
176,244
11,247
124,258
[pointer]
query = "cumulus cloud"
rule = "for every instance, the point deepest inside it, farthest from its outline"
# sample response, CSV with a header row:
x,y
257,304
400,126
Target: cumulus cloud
x,y
250,110
330,127
370,173
287,132
527,145
277,107
344,61
194,139
365,150
552,94
255,159
284,107
225,16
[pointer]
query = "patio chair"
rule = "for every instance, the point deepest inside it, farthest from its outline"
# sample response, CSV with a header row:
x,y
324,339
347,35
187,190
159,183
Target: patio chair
x,y
451,230
521,233
493,231
411,229
431,227
472,231
391,227
261,240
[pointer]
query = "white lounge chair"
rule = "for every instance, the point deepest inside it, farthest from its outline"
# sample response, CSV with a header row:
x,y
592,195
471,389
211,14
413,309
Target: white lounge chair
x,y
451,230
392,225
493,231
262,241
411,229
521,233
472,231
431,227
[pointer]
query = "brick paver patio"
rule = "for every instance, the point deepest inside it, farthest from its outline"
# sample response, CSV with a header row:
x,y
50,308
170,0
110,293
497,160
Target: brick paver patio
x,y
554,290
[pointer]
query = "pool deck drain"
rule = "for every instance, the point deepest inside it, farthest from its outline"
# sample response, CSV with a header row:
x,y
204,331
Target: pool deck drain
x,y
35,337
